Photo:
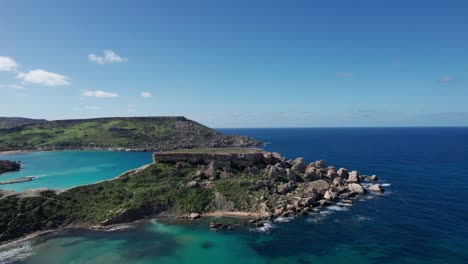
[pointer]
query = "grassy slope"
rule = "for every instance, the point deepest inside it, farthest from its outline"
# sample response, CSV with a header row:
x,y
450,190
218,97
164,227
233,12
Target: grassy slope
x,y
158,188
9,122
150,133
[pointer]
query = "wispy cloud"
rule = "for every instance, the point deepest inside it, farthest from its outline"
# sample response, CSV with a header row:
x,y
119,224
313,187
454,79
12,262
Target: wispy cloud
x,y
446,79
344,74
99,94
12,86
43,77
146,95
109,57
7,64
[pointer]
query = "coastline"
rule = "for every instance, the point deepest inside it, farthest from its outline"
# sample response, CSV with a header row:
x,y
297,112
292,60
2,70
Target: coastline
x,y
115,227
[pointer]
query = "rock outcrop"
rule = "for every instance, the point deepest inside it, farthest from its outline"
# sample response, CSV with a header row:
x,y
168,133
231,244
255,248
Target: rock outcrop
x,y
6,166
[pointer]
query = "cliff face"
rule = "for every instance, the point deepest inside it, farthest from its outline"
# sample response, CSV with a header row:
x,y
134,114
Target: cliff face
x,y
133,133
235,157
6,166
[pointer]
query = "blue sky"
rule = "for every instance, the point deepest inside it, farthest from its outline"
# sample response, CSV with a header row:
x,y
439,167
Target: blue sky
x,y
243,63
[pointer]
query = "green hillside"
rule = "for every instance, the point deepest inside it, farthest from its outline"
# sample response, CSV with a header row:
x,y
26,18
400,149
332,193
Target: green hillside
x,y
136,133
9,122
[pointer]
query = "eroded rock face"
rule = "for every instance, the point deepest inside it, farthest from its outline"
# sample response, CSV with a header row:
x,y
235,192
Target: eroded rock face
x,y
373,178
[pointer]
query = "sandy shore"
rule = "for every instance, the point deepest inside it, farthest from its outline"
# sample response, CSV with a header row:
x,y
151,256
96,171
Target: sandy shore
x,y
12,152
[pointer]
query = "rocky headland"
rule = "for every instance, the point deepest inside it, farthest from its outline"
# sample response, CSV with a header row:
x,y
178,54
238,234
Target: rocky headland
x,y
157,133
236,182
7,166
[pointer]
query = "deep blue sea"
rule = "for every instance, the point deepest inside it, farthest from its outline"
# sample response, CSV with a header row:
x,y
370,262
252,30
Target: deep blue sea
x,y
421,218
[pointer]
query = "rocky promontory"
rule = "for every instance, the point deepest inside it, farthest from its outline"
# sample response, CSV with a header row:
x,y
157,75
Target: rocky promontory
x,y
6,166
189,183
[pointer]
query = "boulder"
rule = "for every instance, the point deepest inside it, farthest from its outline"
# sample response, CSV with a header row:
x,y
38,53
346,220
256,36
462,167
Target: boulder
x,y
312,173
354,177
298,165
193,216
292,177
331,173
337,182
283,188
272,172
319,164
192,184
376,188
343,173
373,178
330,195
356,188
319,186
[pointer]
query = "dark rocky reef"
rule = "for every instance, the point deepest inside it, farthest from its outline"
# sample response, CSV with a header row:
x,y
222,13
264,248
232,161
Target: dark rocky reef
x,y
6,166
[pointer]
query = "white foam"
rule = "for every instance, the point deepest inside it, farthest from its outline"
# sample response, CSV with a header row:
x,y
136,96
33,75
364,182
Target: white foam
x,y
119,227
344,204
283,219
267,226
16,254
385,184
337,208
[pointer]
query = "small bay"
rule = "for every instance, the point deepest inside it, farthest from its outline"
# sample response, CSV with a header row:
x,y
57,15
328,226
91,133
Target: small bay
x,y
65,169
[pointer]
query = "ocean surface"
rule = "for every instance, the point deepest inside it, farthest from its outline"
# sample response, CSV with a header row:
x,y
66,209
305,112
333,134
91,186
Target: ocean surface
x,y
421,218
65,169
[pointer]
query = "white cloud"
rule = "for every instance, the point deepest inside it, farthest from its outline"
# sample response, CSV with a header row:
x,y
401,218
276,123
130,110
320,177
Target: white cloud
x,y
109,57
7,64
43,77
146,95
92,107
12,86
99,94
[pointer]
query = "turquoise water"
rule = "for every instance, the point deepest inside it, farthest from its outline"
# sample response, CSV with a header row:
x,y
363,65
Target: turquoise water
x,y
421,218
64,169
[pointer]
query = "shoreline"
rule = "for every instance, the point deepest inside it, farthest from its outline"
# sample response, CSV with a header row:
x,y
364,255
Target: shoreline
x,y
115,227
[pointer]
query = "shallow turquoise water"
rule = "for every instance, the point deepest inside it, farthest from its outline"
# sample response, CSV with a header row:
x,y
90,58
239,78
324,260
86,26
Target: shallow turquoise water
x,y
64,169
